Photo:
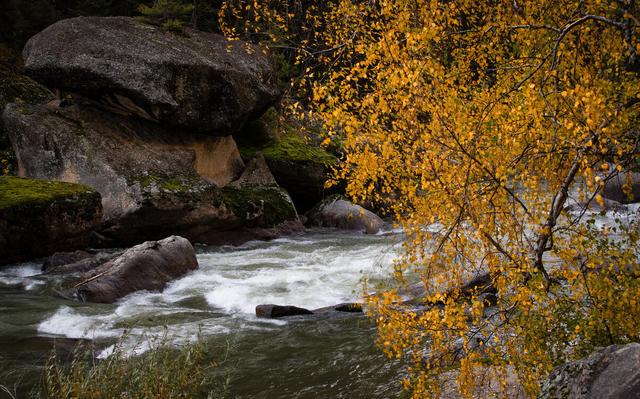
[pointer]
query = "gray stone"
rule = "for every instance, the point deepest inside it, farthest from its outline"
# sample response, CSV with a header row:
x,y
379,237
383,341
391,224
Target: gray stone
x,y
609,373
256,173
196,80
339,213
148,266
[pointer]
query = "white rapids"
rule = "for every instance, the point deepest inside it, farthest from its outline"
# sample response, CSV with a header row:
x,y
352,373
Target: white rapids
x,y
315,270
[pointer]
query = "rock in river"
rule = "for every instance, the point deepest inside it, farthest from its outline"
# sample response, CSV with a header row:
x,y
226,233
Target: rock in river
x,y
339,213
275,311
148,266
196,80
623,188
40,217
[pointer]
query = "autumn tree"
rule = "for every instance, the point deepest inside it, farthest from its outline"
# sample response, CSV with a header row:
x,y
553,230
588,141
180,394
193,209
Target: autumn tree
x,y
477,124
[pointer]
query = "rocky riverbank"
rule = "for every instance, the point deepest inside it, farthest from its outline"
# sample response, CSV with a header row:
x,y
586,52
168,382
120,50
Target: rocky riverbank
x,y
150,120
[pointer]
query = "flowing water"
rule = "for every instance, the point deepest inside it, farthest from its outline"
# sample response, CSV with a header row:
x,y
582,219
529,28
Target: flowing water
x,y
318,357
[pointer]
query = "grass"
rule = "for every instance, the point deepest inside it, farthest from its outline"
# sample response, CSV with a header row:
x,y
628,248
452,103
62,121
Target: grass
x,y
162,372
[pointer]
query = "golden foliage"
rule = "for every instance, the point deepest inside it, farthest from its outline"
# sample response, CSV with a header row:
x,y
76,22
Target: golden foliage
x,y
474,123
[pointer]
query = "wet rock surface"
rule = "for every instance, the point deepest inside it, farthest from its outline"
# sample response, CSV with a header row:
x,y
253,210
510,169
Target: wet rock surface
x,y
148,266
623,188
76,262
271,311
339,213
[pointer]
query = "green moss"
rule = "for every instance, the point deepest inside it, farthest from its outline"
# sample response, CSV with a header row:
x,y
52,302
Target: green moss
x,y
161,182
19,191
282,140
291,147
271,202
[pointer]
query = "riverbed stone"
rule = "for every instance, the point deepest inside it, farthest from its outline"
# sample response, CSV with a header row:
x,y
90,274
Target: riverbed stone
x,y
271,311
64,258
339,213
77,262
608,373
148,266
38,217
196,80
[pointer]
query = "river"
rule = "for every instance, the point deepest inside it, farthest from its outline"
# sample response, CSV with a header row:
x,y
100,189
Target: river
x,y
318,357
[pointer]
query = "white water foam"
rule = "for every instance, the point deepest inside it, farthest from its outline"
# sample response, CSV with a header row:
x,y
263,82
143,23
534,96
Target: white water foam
x,y
24,276
310,272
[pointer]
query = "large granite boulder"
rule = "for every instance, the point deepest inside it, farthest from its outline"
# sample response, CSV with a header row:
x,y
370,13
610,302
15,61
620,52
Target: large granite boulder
x,y
148,266
339,213
196,80
609,373
38,218
154,182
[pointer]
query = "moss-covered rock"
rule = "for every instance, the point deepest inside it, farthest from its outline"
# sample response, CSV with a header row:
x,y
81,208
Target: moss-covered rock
x,y
296,160
260,206
39,217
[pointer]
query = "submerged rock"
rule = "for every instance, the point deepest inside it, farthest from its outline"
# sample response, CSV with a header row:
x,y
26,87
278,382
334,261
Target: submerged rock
x,y
275,311
148,266
76,262
339,213
196,80
609,373
64,258
347,307
153,182
339,310
38,218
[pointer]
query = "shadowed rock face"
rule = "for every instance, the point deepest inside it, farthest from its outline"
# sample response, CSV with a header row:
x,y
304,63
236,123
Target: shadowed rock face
x,y
38,217
609,373
198,80
148,266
